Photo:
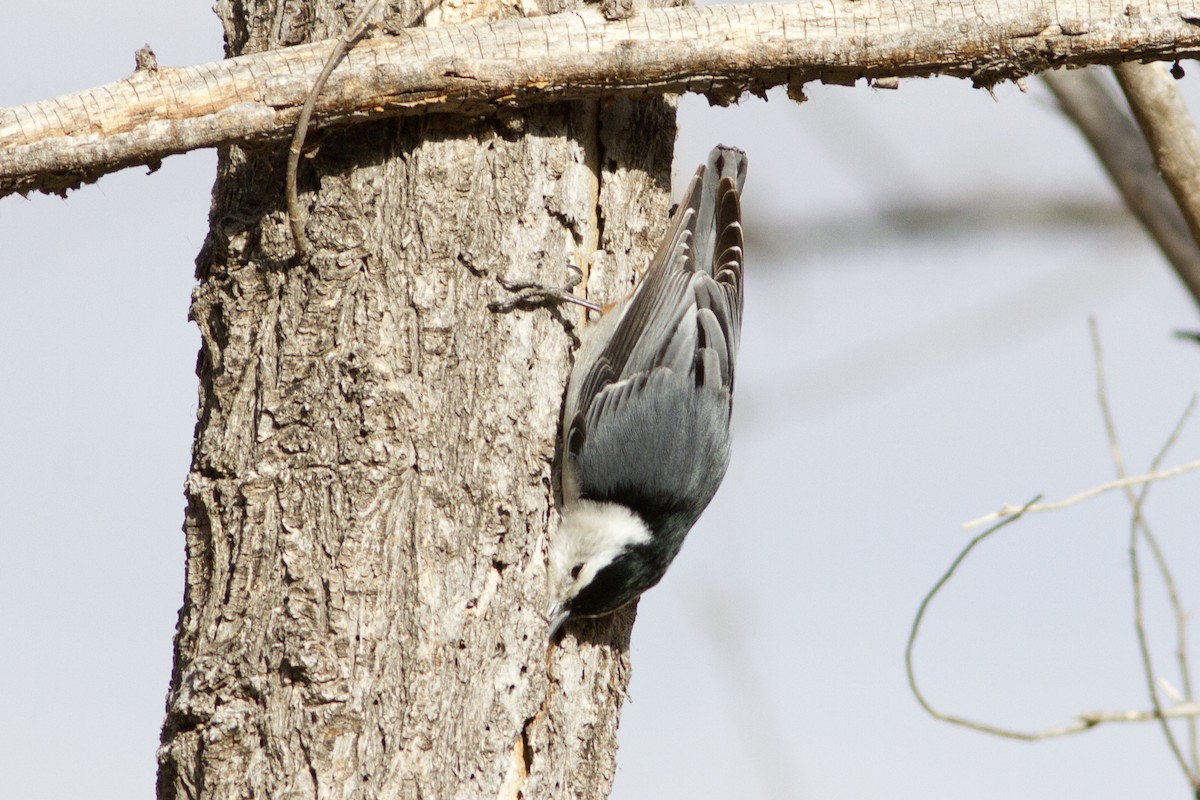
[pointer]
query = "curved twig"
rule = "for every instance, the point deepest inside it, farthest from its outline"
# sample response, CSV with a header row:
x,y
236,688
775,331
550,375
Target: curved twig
x,y
347,40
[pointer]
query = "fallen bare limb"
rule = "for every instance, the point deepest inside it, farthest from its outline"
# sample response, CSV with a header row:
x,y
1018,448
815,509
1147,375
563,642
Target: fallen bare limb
x,y
483,67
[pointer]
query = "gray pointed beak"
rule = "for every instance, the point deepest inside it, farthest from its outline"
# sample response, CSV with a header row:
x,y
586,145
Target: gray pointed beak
x,y
557,616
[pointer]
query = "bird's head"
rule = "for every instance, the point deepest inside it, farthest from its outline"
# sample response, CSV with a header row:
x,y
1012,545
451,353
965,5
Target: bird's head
x,y
597,561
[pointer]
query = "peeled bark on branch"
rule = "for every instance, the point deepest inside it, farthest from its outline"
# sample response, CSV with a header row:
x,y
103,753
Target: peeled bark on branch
x,y
485,67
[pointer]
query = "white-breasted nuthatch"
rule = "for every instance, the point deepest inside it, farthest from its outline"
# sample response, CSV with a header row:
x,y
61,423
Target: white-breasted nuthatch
x,y
645,433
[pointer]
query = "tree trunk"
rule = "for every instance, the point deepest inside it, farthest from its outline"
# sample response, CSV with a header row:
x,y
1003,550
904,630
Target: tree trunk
x,y
371,487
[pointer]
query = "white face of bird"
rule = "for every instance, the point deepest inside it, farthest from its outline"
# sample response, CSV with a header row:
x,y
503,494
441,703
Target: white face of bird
x,y
590,536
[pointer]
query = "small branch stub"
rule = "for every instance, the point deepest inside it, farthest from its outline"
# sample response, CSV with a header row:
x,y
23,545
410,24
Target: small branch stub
x,y
145,60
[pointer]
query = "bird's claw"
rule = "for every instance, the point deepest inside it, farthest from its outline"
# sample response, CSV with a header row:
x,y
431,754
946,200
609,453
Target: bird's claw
x,y
530,294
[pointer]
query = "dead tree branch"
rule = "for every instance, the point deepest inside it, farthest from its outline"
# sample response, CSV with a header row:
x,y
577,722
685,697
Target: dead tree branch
x,y
486,67
1168,128
1121,149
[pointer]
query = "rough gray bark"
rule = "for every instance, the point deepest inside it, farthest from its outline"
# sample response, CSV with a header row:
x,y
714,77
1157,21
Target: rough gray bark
x,y
371,486
495,65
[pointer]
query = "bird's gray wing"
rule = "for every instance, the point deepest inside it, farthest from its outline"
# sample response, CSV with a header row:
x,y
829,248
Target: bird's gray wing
x,y
655,305
684,317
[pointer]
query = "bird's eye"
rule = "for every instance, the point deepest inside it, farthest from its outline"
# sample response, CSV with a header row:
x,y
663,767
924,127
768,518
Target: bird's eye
x,y
575,570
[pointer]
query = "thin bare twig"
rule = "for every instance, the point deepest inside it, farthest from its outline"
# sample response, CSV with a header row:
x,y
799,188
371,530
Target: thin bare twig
x,y
1188,711
1185,705
1083,722
1122,483
1181,650
1138,527
342,46
916,625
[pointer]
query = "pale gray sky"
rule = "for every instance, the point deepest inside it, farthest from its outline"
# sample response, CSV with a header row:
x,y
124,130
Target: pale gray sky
x,y
893,382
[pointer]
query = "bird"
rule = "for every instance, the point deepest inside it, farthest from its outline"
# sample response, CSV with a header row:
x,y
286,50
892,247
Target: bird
x,y
646,419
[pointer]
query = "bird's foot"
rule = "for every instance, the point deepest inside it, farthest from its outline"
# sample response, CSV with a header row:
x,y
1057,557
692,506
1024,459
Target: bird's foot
x,y
529,294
